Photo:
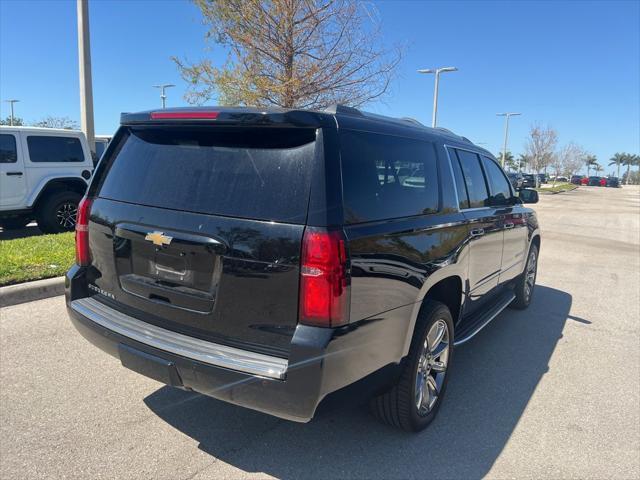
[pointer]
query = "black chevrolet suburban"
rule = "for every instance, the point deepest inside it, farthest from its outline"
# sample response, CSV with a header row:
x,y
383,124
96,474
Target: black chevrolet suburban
x,y
271,257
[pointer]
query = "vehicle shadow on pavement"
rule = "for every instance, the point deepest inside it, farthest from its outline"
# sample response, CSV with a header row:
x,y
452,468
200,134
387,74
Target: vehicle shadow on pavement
x,y
28,231
493,378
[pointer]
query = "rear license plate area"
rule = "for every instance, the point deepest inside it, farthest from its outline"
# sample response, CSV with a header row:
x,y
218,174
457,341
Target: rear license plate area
x,y
171,268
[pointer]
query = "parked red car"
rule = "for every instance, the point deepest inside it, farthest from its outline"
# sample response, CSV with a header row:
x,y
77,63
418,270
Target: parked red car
x,y
603,182
584,181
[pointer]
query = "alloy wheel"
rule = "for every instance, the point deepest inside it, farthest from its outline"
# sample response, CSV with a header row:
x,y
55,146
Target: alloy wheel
x,y
66,215
432,367
530,279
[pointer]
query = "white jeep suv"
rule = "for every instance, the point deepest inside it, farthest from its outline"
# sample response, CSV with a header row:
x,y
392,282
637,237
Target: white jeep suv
x,y
44,173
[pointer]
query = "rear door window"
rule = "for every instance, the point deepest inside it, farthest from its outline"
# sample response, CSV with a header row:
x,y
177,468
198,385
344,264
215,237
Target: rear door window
x,y
49,149
385,176
500,187
8,150
257,173
474,179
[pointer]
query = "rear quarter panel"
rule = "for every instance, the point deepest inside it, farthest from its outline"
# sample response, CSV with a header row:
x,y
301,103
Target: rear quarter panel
x,y
395,262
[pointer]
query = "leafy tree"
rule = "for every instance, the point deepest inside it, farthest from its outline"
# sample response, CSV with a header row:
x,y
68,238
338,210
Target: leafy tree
x,y
51,121
17,121
291,53
541,146
590,161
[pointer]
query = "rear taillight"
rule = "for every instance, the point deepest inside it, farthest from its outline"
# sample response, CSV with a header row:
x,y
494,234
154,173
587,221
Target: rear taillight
x,y
323,278
83,254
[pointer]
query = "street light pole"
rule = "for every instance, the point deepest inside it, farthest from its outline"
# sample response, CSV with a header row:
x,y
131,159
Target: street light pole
x,y
163,97
11,102
84,61
507,115
437,71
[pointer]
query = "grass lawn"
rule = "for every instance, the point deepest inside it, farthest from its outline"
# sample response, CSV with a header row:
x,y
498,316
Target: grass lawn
x,y
34,258
560,187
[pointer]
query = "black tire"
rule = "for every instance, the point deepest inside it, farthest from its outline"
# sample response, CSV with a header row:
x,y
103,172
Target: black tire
x,y
525,285
14,223
57,212
398,406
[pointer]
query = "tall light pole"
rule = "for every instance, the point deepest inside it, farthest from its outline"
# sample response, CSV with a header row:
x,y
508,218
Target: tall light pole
x,y
84,62
163,97
11,102
437,71
507,115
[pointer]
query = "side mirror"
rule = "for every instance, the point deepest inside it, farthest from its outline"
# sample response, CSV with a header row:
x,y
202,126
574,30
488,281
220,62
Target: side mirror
x,y
528,195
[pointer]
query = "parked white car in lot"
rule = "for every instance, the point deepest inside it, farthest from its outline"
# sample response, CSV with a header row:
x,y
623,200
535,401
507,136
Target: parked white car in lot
x,y
44,173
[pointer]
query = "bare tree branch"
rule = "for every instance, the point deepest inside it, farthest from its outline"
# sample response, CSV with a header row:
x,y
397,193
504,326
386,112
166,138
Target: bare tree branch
x,y
292,53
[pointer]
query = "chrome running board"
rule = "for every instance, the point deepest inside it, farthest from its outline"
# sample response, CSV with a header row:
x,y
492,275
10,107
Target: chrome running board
x,y
474,325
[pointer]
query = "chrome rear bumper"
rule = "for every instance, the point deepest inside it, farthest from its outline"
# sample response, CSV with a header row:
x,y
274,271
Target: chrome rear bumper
x,y
192,348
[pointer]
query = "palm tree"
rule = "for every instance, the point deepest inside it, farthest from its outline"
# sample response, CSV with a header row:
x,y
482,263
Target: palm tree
x,y
617,160
630,160
598,168
523,161
508,161
590,161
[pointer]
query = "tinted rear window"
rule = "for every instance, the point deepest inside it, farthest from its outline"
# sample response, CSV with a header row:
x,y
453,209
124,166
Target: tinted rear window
x,y
50,149
474,179
386,177
500,187
250,173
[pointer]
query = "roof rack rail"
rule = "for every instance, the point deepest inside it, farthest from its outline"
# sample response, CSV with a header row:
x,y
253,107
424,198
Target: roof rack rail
x,y
338,108
413,120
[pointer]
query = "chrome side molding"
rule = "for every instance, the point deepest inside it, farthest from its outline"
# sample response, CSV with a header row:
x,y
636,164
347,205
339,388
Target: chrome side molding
x,y
193,348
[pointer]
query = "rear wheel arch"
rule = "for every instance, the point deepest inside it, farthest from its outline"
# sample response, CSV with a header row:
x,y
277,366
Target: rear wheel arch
x,y
449,292
56,206
73,184
536,241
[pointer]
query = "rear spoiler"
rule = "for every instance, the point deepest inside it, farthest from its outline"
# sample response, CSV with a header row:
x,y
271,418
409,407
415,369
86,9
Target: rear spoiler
x,y
229,116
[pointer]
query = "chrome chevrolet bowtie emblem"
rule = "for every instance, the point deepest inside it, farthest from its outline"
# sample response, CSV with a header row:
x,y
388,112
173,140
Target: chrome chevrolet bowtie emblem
x,y
158,238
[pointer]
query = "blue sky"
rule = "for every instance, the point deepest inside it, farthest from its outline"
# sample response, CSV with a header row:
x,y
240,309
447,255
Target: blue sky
x,y
573,65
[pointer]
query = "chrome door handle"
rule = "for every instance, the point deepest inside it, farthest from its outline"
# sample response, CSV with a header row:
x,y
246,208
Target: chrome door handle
x,y
477,232
509,225
14,174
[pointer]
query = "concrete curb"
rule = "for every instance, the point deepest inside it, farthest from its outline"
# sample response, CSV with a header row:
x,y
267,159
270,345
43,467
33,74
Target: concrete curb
x,y
30,291
556,193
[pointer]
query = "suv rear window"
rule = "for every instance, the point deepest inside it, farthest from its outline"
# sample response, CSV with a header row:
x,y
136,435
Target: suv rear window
x,y
474,179
385,177
258,173
500,187
49,149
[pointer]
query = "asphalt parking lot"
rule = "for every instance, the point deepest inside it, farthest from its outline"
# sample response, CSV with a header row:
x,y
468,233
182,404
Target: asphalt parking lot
x,y
551,392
